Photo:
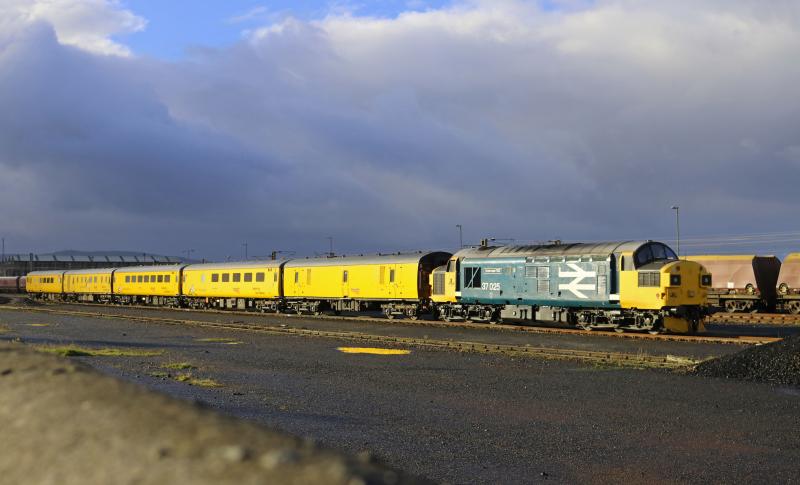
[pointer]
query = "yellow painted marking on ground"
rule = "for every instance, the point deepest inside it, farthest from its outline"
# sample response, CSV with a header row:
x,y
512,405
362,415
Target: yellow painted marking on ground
x,y
38,324
370,350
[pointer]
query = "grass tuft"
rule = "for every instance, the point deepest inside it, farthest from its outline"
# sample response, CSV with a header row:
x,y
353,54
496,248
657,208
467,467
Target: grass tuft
x,y
219,340
196,381
180,366
76,351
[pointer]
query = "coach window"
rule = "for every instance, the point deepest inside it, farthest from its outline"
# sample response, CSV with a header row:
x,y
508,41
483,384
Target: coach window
x,y
259,276
147,278
214,277
127,279
160,278
275,277
248,277
226,277
391,276
296,276
344,276
139,279
166,278
237,277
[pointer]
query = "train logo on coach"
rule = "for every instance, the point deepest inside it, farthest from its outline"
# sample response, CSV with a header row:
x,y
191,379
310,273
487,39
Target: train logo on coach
x,y
578,274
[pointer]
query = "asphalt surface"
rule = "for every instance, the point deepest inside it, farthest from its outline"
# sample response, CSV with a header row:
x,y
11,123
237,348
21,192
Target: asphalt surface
x,y
463,418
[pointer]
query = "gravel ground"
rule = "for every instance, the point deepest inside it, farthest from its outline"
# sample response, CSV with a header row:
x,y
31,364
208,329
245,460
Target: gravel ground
x,y
463,418
775,363
595,341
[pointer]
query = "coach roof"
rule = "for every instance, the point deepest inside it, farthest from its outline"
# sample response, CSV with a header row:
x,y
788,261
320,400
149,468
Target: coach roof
x,y
363,260
158,268
235,265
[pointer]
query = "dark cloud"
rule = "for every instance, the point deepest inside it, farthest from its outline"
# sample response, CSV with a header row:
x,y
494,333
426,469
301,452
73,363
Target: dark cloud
x,y
588,123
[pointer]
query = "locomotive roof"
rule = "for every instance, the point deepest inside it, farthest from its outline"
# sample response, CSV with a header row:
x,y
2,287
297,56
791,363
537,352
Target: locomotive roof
x,y
368,259
572,249
235,265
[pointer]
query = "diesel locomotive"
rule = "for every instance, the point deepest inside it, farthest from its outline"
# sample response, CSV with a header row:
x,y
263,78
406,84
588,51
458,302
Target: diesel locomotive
x,y
630,285
627,285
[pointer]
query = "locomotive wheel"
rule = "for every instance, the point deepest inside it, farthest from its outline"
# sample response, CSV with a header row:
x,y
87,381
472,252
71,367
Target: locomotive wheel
x,y
794,307
730,306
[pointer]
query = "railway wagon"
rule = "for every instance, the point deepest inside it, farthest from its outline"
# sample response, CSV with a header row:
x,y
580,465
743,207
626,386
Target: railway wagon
x,y
627,285
45,285
788,287
241,285
88,285
396,284
12,284
149,285
742,282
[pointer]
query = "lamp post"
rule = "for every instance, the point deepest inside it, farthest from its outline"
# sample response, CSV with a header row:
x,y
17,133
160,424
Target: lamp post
x,y
460,236
677,228
330,240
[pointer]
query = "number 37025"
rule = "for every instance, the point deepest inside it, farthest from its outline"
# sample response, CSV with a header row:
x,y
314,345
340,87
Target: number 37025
x,y
490,286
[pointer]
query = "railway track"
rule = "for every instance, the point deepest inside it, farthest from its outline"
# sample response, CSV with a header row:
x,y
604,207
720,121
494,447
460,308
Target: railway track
x,y
621,359
709,339
781,319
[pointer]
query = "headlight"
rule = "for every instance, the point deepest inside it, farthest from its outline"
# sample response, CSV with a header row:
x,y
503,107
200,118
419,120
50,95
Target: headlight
x,y
705,280
674,280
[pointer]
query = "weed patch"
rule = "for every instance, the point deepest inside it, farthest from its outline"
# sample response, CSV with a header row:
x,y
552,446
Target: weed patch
x,y
218,340
179,366
76,351
196,381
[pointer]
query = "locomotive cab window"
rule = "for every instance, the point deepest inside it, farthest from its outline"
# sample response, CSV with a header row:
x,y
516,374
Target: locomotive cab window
x,y
651,252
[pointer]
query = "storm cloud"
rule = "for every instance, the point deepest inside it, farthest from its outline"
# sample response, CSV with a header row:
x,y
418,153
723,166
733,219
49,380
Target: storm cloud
x,y
583,122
